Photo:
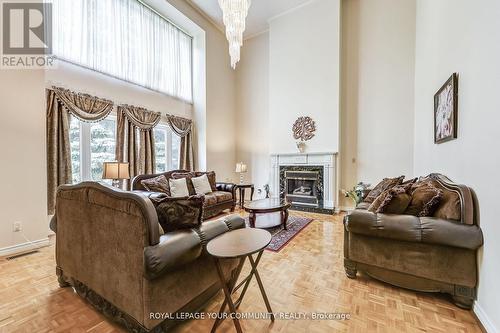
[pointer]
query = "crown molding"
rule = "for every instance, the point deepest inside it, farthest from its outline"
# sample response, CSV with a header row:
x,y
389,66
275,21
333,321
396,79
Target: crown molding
x,y
255,34
206,16
289,11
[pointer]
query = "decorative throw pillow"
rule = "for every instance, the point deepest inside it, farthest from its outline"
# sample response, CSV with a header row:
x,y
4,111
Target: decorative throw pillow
x,y
377,202
201,185
178,213
385,184
178,187
187,176
397,199
157,184
211,178
425,199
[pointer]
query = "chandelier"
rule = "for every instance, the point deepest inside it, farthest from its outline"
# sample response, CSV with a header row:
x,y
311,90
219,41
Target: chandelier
x,y
234,13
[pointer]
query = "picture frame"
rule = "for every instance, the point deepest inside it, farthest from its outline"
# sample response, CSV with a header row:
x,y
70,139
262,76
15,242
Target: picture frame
x,y
446,111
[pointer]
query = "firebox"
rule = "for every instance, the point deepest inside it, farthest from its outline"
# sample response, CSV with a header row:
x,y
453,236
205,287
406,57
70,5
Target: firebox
x,y
301,187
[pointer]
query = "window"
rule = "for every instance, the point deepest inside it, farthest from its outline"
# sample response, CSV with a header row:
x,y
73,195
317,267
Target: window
x,y
125,39
92,144
167,146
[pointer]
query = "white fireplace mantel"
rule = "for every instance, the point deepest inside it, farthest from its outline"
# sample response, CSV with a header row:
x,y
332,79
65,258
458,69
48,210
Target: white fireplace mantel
x,y
326,160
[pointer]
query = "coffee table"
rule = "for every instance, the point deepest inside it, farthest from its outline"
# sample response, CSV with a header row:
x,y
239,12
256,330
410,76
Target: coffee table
x,y
239,244
266,206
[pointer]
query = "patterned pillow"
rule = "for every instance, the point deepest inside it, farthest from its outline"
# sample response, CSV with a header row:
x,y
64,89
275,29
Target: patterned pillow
x,y
385,184
179,213
397,199
425,199
157,184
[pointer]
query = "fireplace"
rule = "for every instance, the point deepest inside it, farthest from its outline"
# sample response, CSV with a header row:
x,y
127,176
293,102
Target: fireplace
x,y
302,185
307,180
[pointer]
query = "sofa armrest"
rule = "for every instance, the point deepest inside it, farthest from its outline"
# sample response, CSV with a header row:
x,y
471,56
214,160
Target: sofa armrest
x,y
227,187
178,248
175,249
451,233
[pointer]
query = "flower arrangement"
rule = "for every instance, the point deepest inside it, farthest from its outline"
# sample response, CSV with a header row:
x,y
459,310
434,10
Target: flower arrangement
x,y
356,194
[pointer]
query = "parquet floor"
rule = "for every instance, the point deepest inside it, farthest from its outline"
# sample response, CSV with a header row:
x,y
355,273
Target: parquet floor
x,y
305,277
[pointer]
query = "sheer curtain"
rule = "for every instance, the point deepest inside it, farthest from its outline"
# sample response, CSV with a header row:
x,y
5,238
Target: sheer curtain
x,y
125,39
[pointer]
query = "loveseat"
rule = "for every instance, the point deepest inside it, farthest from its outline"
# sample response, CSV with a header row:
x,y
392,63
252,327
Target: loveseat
x,y
109,248
223,195
437,253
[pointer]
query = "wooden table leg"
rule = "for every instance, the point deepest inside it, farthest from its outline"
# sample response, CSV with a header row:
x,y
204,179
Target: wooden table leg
x,y
251,219
245,287
284,218
232,283
261,287
227,294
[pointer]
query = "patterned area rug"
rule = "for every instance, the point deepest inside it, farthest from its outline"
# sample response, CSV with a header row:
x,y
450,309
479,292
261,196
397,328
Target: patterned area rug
x,y
281,237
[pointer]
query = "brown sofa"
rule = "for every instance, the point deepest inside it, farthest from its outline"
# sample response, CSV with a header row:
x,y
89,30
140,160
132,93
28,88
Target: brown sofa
x,y
108,247
433,254
216,202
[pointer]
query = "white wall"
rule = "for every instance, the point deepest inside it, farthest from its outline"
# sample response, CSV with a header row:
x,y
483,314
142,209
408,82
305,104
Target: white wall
x,y
304,75
220,130
22,145
378,47
252,96
463,36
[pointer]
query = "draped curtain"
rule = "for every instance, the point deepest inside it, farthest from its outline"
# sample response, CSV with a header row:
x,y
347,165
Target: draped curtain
x,y
60,104
183,127
135,139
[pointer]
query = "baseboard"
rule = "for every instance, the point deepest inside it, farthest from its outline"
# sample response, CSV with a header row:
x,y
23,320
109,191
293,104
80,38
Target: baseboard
x,y
488,325
24,247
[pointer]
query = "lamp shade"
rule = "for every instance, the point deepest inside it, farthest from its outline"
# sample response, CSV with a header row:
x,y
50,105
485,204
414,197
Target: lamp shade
x,y
115,170
241,167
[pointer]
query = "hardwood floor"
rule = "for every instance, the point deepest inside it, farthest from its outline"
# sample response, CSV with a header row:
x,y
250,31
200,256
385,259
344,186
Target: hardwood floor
x,y
306,276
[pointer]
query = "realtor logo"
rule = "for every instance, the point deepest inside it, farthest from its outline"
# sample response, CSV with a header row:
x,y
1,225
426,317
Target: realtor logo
x,y
27,30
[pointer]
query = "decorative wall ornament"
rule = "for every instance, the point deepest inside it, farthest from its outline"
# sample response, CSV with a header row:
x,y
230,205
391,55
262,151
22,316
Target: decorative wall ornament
x,y
303,129
234,13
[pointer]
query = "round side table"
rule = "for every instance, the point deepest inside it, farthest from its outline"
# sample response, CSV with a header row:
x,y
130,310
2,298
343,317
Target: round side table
x,y
239,244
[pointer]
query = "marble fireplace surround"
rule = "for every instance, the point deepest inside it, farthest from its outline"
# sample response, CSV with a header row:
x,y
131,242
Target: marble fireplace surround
x,y
327,161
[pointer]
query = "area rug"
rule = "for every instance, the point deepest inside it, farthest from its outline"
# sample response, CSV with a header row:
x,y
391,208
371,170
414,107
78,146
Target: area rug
x,y
282,237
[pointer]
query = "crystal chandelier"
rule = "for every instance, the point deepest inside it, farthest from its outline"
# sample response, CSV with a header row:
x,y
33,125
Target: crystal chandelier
x,y
234,13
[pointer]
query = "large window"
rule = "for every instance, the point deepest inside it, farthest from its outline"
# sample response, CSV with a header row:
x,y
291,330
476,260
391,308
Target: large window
x,y
92,144
166,148
125,39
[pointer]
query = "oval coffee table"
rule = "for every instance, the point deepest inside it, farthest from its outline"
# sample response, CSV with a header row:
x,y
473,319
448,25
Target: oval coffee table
x,y
239,244
266,206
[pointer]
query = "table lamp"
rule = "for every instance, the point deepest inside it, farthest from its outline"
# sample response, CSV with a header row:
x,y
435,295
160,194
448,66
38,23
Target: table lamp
x,y
115,171
241,168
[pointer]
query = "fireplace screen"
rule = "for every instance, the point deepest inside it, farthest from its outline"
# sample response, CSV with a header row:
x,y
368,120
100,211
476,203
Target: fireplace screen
x,y
302,187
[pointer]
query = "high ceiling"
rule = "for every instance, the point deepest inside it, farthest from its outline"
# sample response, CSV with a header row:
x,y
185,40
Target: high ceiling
x,y
260,12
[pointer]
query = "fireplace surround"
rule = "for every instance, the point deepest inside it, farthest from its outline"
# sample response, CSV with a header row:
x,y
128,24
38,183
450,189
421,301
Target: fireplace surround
x,y
307,181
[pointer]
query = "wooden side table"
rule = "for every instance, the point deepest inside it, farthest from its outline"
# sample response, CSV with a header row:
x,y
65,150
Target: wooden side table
x,y
240,244
241,189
